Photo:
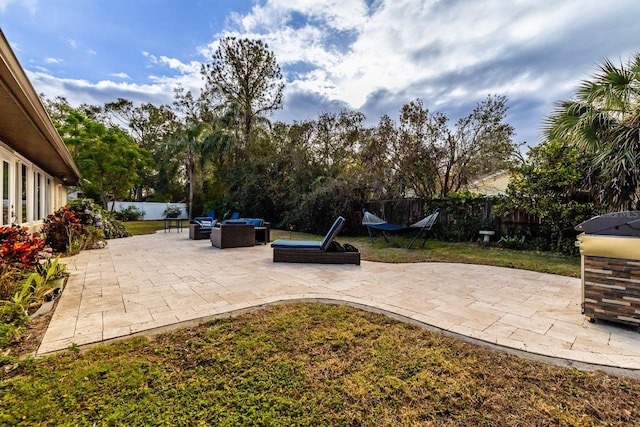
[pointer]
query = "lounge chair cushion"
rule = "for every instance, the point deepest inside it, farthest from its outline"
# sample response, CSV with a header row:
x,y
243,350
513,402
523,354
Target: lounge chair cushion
x,y
296,244
333,232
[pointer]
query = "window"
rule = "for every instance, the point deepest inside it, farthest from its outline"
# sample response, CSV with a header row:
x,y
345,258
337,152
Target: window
x,y
48,197
37,193
23,192
5,194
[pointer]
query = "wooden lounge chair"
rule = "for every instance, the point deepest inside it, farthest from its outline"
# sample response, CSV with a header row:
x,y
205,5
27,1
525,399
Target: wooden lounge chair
x,y
306,251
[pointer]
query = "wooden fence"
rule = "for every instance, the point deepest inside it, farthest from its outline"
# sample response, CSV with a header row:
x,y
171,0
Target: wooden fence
x,y
459,219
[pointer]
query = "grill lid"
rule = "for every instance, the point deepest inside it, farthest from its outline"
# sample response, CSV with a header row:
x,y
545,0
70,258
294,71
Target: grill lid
x,y
625,223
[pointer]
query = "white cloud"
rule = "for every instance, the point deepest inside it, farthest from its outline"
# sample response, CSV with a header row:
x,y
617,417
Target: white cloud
x,y
378,55
31,5
121,75
73,43
78,91
53,60
449,53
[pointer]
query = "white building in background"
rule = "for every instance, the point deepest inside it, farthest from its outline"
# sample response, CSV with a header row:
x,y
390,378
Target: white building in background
x,y
491,185
35,166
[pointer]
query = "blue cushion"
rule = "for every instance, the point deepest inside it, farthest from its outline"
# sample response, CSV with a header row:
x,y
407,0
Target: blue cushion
x,y
297,244
257,222
204,221
234,221
333,232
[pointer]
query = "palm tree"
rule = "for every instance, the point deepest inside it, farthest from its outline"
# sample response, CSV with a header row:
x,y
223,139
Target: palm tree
x,y
603,120
194,145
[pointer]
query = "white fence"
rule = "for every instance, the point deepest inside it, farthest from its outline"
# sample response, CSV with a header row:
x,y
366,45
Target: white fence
x,y
152,210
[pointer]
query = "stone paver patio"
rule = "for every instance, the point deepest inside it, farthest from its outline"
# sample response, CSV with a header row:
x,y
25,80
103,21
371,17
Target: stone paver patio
x,y
150,283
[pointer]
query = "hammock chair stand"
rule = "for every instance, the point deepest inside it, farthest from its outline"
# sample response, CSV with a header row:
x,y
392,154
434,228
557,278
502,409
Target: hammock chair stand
x,y
423,226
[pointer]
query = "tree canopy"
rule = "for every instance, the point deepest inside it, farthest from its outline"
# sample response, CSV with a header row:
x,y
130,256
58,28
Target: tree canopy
x,y
245,73
603,120
108,157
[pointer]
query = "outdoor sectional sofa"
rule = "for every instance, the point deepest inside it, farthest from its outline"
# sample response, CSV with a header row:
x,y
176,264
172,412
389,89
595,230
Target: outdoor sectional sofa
x,y
200,227
241,232
233,235
304,251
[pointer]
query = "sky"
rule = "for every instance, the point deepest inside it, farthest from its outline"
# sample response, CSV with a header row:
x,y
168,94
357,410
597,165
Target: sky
x,y
372,56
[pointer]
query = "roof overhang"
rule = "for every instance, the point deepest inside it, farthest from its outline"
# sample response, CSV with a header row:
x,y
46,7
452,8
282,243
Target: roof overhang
x,y
25,125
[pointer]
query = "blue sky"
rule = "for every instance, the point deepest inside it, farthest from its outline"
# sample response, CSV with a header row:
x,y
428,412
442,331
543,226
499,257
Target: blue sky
x,y
368,55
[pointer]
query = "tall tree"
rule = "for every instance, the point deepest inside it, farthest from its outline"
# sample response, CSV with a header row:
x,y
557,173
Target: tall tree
x,y
551,186
107,157
481,143
151,127
416,151
245,72
603,119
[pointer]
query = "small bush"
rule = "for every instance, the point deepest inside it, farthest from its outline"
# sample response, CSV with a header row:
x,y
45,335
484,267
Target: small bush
x,y
512,242
172,212
61,228
114,229
130,213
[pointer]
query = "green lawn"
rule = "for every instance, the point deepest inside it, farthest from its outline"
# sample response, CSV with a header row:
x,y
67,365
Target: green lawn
x,y
144,227
308,364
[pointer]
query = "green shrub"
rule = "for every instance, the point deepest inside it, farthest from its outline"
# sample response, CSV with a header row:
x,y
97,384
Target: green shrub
x,y
512,242
114,229
130,213
172,212
8,333
13,320
61,228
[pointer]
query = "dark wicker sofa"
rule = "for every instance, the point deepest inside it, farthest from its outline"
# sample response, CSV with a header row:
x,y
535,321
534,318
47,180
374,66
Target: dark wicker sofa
x,y
233,236
200,227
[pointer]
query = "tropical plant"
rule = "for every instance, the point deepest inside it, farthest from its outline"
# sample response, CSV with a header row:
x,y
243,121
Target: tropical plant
x,y
51,269
114,229
603,120
18,248
512,242
61,228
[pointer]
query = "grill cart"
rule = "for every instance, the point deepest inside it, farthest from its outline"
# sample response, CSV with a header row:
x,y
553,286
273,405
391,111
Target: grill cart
x,y
610,251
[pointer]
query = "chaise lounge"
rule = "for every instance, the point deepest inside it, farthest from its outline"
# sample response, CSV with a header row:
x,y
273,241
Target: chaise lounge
x,y
305,251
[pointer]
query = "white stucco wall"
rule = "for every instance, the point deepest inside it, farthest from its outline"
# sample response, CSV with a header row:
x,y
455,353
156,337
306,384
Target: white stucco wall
x,y
152,210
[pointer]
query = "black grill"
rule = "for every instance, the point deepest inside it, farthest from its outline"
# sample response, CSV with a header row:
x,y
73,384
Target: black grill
x,y
613,224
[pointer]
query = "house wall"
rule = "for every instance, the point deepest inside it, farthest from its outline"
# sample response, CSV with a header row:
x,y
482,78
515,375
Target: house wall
x,y
27,192
491,186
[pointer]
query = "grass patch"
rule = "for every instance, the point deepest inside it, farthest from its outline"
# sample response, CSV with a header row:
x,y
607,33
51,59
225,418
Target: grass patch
x,y
137,228
308,364
436,251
